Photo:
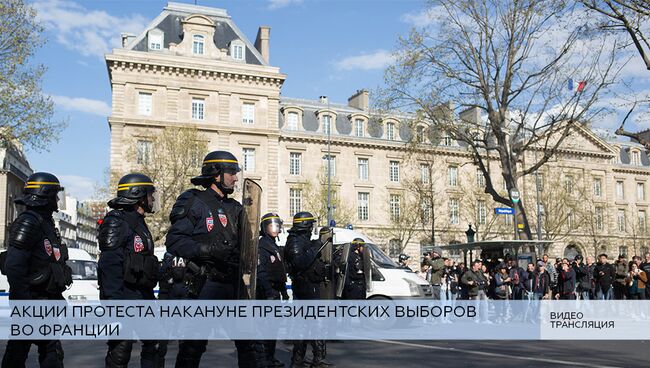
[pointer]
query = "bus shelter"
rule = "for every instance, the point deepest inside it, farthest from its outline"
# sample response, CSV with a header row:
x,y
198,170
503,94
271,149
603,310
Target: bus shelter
x,y
523,250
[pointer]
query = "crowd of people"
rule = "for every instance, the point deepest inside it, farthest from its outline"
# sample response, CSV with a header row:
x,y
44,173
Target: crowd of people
x,y
504,279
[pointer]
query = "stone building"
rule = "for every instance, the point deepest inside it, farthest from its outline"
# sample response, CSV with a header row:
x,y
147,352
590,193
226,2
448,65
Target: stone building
x,y
14,172
193,66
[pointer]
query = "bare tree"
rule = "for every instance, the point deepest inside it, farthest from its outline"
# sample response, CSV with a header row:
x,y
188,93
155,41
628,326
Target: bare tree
x,y
315,201
170,158
404,221
26,114
509,62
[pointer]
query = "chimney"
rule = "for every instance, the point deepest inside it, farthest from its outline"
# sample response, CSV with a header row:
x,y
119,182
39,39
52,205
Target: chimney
x,y
359,100
262,42
126,38
323,99
471,115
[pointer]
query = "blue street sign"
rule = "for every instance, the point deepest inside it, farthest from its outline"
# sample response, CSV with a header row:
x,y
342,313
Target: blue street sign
x,y
504,211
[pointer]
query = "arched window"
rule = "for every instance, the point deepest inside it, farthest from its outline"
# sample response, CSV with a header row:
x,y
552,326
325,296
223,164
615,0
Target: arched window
x,y
197,44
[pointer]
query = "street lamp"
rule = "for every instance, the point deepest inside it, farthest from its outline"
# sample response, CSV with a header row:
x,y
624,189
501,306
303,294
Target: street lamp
x,y
470,234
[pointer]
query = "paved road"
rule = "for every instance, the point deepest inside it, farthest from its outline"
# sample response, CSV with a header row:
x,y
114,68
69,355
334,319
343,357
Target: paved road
x,y
405,354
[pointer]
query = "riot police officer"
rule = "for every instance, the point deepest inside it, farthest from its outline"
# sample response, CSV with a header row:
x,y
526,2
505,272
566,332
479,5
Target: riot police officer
x,y
205,230
355,281
128,268
307,272
403,259
271,274
35,263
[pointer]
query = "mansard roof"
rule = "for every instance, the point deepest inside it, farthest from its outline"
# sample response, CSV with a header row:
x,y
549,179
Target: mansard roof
x,y
169,22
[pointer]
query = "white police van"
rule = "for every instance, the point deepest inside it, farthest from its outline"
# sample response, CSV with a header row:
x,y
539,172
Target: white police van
x,y
84,276
389,281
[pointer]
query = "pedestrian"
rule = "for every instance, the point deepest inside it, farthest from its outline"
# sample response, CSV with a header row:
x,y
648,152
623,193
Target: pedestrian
x,y
542,282
35,264
271,274
583,278
636,282
566,282
604,274
205,230
622,269
528,281
127,267
502,283
476,282
437,269
645,267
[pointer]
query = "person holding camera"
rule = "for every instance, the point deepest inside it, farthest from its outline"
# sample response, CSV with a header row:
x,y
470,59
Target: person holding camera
x,y
566,282
636,282
475,281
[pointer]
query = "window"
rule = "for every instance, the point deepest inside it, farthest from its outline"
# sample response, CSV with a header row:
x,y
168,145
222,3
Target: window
x,y
622,251
390,131
636,158
621,221
155,40
363,200
482,212
327,124
420,134
452,176
598,187
394,248
446,140
508,220
292,121
480,178
295,163
358,128
425,173
248,113
237,51
568,184
331,160
197,44
598,218
144,103
395,207
640,191
362,164
393,174
143,153
570,219
642,222
453,211
249,159
198,109
295,201
620,192
425,211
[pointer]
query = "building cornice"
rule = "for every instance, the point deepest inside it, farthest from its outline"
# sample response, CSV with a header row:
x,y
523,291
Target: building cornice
x,y
140,61
145,123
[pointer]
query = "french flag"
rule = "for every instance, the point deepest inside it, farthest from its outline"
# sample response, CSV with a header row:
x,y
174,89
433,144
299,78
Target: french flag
x,y
577,87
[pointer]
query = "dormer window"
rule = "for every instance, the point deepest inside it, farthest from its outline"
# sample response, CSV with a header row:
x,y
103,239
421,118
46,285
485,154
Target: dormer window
x,y
156,38
198,42
327,124
390,131
237,50
358,127
636,158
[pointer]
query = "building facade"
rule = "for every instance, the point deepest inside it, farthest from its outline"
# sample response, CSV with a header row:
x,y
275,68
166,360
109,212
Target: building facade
x,y
192,66
14,172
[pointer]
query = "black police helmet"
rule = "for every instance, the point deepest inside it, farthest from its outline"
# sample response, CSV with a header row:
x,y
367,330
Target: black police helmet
x,y
216,163
358,243
403,257
270,218
131,189
303,221
41,190
578,257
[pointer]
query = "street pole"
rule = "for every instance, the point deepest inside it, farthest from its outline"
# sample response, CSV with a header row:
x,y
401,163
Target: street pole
x,y
329,167
539,210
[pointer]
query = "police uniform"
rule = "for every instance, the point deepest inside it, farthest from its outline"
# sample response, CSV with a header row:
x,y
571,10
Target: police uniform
x,y
127,267
271,276
307,272
355,281
35,264
205,230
